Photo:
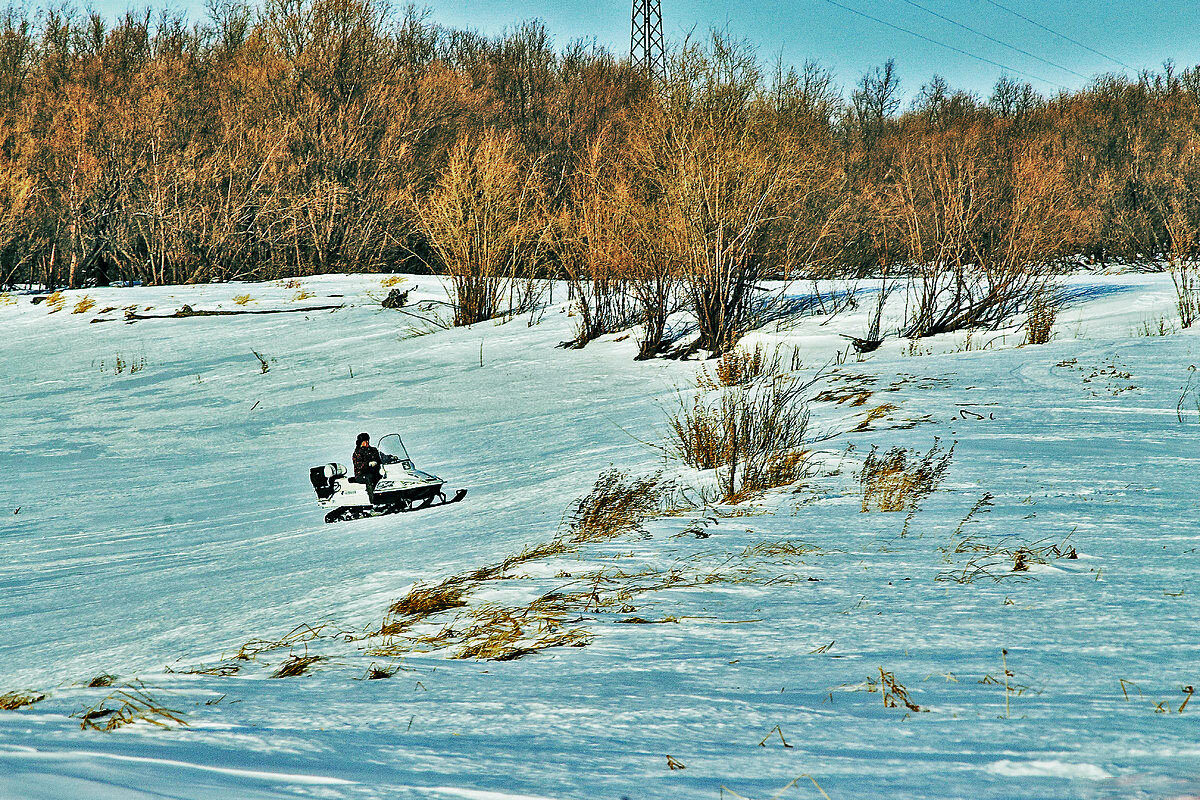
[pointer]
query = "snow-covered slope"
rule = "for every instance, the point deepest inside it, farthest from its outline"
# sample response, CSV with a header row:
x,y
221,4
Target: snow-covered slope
x,y
165,520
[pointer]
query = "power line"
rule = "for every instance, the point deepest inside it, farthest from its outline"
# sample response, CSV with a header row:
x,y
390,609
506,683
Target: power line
x,y
923,37
1062,35
994,39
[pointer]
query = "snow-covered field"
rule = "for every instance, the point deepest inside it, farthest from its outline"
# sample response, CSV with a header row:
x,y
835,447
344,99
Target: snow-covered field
x,y
165,520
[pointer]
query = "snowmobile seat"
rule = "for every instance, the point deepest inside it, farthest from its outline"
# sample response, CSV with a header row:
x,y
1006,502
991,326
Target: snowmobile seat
x,y
322,478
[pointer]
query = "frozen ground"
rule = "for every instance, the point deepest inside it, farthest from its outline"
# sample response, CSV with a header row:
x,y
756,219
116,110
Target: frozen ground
x,y
165,519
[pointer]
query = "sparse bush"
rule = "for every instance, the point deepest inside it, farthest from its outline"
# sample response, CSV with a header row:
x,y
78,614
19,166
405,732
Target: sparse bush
x,y
901,479
754,437
1041,314
1160,327
1186,277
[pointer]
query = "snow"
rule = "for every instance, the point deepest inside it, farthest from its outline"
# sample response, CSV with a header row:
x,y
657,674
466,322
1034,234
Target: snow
x,y
165,519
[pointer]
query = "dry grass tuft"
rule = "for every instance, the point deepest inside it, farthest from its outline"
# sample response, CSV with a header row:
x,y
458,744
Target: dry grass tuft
x,y
296,665
422,600
894,693
392,280
101,681
780,550
7,299
243,299
616,505
301,633
84,305
125,706
55,302
499,633
900,480
290,283
303,294
11,701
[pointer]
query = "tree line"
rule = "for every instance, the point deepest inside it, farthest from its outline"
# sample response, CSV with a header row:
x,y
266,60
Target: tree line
x,y
311,136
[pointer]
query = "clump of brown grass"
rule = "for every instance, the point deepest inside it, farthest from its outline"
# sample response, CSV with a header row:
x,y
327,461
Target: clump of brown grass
x,y
11,701
7,299
499,633
901,479
55,302
243,299
616,505
290,283
130,704
1041,314
303,294
101,681
392,280
84,305
296,665
423,600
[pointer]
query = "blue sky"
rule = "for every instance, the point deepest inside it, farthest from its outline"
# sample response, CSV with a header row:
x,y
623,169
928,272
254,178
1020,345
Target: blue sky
x,y
1141,34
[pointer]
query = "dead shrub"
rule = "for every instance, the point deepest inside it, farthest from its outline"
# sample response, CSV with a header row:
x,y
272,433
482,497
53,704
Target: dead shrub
x,y
11,701
1041,314
899,480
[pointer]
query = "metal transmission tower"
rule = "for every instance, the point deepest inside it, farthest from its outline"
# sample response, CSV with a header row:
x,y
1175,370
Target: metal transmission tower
x,y
646,39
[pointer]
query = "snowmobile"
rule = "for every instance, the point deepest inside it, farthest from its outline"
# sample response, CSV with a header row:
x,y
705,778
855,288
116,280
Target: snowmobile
x,y
401,486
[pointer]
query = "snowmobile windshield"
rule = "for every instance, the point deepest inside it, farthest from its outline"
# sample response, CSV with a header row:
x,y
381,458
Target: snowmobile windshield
x,y
392,449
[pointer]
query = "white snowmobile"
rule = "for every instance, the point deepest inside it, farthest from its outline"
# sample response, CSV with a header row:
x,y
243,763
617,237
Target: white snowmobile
x,y
401,486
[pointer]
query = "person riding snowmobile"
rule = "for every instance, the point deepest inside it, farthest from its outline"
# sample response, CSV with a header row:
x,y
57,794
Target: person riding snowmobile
x,y
366,461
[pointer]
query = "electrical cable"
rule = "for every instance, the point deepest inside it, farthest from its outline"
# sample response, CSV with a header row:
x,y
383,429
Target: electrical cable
x,y
994,39
1062,35
923,37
